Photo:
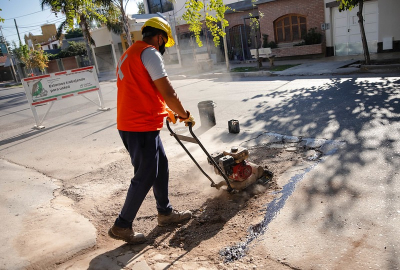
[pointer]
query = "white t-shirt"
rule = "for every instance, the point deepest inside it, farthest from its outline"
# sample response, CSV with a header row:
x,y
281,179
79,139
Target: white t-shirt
x,y
153,62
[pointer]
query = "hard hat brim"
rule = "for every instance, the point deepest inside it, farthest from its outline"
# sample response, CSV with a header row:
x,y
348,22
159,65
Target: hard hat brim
x,y
171,41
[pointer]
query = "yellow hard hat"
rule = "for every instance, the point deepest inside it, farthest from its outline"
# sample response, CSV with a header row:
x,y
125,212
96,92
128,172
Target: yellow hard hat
x,y
161,24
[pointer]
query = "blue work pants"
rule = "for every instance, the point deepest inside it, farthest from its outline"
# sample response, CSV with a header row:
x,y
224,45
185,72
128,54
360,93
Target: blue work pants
x,y
151,170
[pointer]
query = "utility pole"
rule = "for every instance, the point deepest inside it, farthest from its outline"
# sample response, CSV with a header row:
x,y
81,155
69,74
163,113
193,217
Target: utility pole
x,y
9,56
15,21
178,49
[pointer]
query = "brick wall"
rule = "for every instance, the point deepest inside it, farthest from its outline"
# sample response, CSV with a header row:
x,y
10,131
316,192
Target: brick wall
x,y
298,50
236,18
182,28
313,10
52,66
69,63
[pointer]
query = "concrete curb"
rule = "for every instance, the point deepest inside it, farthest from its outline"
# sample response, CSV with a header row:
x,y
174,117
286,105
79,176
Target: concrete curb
x,y
391,67
262,73
8,85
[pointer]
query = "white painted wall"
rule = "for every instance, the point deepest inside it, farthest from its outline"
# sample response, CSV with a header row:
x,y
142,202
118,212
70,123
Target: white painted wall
x,y
389,19
328,19
102,37
388,16
50,45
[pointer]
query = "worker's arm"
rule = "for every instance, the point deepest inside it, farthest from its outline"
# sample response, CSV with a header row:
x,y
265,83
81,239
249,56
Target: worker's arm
x,y
171,98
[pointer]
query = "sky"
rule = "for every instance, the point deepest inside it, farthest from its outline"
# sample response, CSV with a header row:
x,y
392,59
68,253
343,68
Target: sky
x,y
29,17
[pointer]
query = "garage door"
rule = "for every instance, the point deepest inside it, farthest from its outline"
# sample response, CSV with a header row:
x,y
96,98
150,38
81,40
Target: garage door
x,y
346,30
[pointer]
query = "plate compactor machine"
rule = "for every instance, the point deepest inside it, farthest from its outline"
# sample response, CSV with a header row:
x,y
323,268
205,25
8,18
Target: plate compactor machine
x,y
231,164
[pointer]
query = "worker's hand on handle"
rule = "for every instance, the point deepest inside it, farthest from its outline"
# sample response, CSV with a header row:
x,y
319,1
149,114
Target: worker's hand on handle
x,y
188,119
171,116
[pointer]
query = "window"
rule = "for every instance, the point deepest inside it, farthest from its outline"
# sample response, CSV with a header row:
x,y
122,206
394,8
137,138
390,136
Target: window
x,y
290,28
159,6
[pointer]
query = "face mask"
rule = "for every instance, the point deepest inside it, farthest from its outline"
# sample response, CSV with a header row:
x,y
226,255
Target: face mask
x,y
161,48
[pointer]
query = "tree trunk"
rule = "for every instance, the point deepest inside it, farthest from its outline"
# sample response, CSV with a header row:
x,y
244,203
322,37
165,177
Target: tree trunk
x,y
86,37
228,67
125,23
259,59
362,30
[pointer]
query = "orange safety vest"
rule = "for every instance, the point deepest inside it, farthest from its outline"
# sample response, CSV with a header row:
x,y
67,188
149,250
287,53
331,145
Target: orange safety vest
x,y
140,106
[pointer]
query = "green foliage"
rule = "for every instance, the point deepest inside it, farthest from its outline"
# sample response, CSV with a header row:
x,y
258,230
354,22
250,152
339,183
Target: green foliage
x,y
1,19
267,44
255,23
348,4
76,10
212,22
32,58
215,23
193,17
312,37
74,48
140,6
244,69
17,51
73,33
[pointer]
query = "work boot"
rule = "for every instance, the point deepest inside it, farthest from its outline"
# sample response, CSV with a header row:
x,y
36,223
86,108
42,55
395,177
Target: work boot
x,y
127,235
175,217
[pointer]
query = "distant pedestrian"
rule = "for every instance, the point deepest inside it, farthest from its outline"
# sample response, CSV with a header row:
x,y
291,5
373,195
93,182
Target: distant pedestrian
x,y
144,90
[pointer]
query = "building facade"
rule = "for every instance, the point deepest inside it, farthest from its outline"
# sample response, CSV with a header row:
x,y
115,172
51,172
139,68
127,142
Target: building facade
x,y
48,37
381,22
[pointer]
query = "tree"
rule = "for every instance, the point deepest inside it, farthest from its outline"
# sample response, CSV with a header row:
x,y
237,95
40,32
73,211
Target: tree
x,y
84,12
215,23
76,48
124,18
32,58
140,6
255,27
349,5
73,49
73,33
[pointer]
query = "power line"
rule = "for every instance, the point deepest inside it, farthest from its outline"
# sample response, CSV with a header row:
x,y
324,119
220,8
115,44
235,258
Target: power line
x,y
27,14
40,24
180,8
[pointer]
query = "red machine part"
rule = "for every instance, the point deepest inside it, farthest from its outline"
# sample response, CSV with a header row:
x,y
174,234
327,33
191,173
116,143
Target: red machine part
x,y
241,171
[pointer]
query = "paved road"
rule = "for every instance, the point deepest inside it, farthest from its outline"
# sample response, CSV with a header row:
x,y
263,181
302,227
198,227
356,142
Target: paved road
x,y
343,214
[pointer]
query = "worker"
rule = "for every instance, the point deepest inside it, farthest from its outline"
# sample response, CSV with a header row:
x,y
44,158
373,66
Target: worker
x,y
144,90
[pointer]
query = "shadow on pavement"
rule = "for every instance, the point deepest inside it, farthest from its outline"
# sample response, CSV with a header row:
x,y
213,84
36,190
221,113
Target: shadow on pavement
x,y
356,110
32,134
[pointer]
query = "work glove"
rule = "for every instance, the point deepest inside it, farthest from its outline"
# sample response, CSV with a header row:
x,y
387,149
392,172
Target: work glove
x,y
188,119
171,116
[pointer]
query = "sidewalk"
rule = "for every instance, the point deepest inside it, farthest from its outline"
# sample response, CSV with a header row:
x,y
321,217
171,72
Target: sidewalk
x,y
322,66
